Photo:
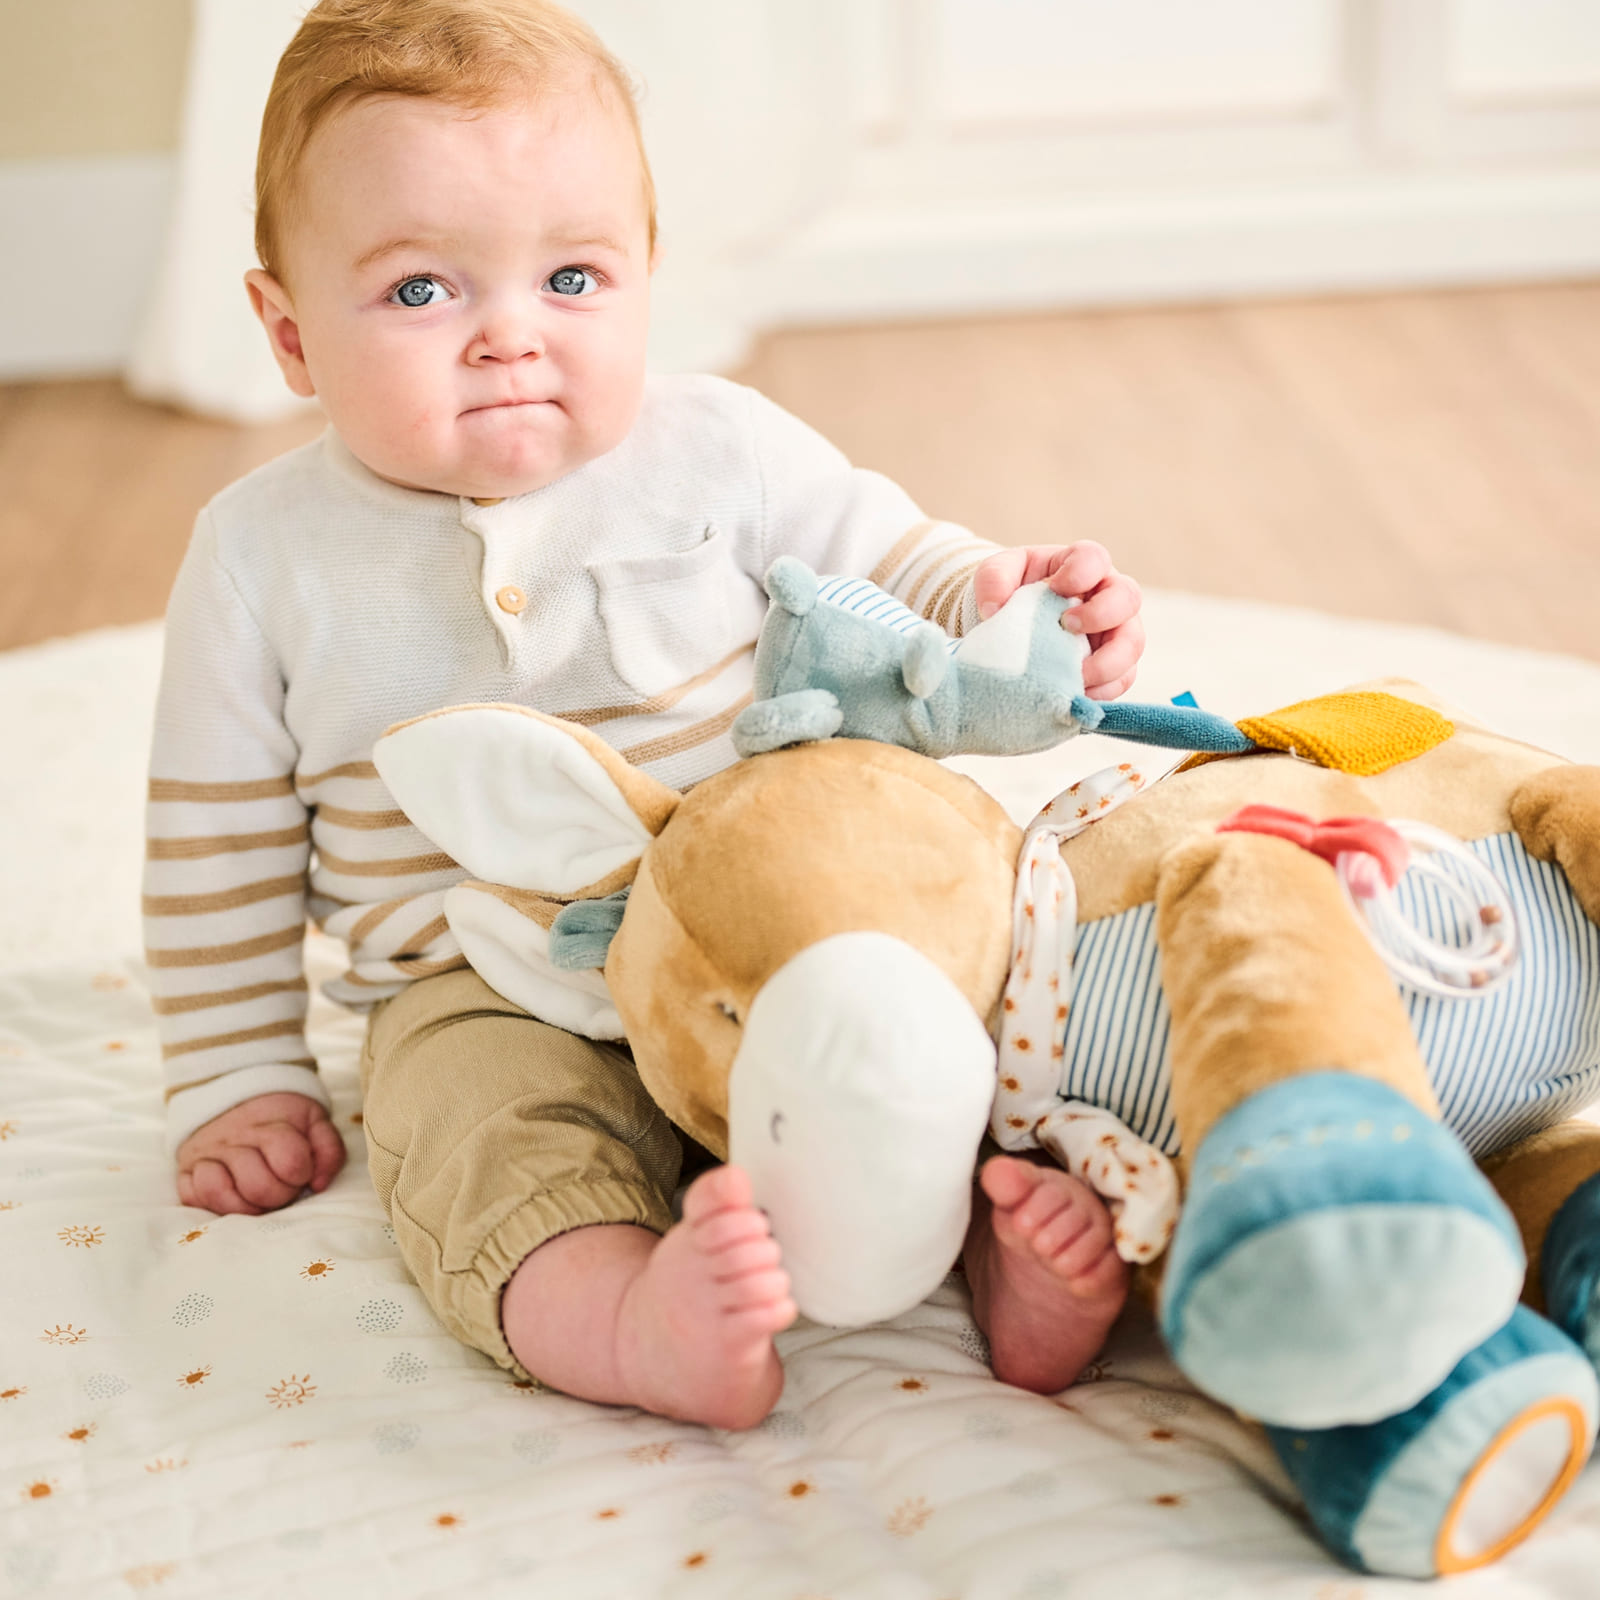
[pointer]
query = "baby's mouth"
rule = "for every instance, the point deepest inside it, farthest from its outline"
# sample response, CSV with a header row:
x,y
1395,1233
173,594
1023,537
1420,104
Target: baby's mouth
x,y
505,405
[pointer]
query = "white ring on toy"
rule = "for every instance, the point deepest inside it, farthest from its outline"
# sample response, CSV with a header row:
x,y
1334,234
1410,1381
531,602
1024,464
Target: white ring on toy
x,y
1467,887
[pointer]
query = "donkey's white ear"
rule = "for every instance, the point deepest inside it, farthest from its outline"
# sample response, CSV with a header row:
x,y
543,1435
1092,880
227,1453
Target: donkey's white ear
x,y
523,799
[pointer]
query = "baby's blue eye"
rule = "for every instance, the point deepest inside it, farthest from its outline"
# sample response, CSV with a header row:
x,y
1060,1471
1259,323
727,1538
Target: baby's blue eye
x,y
419,292
572,281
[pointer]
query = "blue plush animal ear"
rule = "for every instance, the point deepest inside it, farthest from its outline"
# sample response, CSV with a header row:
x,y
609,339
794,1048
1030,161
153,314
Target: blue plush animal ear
x,y
791,584
926,661
582,932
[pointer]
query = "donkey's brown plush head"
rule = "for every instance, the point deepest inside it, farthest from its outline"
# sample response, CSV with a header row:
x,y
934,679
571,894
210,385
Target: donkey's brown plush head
x,y
819,934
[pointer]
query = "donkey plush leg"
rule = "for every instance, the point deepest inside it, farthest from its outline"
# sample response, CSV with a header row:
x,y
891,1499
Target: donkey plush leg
x,y
1557,815
1338,1252
1551,1182
1466,1473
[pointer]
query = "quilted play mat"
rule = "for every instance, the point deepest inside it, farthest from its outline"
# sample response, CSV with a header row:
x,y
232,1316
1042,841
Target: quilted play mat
x,y
198,1406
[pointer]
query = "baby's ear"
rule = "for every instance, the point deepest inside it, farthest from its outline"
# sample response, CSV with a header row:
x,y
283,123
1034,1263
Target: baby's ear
x,y
522,799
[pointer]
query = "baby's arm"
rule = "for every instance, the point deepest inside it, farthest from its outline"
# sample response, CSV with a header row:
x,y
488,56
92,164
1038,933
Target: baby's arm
x,y
228,846
260,1155
842,519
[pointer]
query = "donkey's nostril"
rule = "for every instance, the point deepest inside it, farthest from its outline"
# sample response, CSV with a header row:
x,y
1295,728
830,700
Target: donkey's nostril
x,y
730,1012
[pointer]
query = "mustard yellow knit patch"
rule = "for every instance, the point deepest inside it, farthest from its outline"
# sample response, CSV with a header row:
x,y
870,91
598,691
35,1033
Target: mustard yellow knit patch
x,y
1363,732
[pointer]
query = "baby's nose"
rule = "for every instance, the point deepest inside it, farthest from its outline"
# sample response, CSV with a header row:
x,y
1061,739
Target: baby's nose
x,y
506,335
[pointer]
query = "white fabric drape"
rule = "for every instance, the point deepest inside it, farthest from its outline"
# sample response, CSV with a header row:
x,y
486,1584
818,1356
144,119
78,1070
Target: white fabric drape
x,y
747,132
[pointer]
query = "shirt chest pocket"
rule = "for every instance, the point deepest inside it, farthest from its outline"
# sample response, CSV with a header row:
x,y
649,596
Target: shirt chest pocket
x,y
670,617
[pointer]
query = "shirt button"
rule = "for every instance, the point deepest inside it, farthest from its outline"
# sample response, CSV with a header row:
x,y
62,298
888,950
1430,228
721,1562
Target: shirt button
x,y
510,599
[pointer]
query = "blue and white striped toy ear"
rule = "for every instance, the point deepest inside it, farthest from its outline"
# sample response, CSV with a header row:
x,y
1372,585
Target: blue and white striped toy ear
x,y
581,935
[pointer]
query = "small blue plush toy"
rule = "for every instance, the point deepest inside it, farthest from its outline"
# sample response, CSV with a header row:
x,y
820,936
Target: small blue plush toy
x,y
838,656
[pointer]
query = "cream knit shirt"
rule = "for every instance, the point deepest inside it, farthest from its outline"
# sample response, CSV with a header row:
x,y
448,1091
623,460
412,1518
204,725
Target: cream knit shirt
x,y
319,604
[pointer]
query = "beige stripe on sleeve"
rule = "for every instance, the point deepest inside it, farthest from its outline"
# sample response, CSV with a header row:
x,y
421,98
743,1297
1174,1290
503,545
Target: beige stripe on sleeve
x,y
220,793
950,591
216,955
398,867
341,817
219,1041
349,769
938,560
247,894
178,1004
899,555
197,849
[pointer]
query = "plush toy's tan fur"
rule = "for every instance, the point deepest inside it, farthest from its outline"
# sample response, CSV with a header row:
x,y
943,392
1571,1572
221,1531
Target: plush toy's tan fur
x,y
769,857
1268,977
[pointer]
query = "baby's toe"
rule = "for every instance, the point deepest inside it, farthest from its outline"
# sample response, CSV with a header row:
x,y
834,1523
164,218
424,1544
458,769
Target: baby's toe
x,y
1008,1181
721,1189
738,1261
756,1289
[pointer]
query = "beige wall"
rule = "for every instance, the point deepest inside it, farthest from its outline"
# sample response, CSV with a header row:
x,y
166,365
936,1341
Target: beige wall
x,y
90,77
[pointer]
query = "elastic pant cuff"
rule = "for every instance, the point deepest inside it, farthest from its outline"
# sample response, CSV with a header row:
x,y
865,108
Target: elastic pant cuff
x,y
471,1299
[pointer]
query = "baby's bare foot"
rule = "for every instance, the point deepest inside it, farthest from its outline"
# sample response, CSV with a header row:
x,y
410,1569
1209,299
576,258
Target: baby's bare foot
x,y
1046,1280
681,1325
694,1335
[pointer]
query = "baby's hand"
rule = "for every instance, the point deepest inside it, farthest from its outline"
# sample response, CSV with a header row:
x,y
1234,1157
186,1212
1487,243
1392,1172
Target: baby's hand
x,y
1108,613
259,1155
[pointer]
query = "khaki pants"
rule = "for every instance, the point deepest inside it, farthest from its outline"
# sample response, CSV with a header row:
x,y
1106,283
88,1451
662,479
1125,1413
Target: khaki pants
x,y
490,1132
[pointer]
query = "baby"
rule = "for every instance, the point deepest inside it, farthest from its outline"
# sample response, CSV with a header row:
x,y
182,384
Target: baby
x,y
456,225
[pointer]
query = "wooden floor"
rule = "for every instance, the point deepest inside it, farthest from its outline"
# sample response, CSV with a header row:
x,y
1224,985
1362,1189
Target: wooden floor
x,y
1429,458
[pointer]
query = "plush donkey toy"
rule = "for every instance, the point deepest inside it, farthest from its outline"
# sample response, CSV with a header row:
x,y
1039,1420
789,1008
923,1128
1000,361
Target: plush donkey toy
x,y
818,948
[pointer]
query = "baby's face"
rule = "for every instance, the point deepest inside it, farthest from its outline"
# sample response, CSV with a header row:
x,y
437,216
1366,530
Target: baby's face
x,y
469,292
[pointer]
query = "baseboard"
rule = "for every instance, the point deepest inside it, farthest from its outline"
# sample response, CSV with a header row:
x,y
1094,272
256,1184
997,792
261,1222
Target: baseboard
x,y
79,243
1375,231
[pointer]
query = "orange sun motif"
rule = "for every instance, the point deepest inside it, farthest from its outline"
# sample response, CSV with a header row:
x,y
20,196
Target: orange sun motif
x,y
697,1559
63,1333
909,1517
291,1392
164,1464
14,1394
911,1385
116,1044
149,1575
78,1435
316,1269
192,1235
800,1488
107,981
9,1205
447,1519
82,1233
653,1454
7,1129
40,1489
193,1380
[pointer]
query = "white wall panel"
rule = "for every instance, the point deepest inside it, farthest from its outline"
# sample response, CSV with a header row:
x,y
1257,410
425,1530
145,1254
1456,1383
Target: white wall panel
x,y
1521,50
1005,60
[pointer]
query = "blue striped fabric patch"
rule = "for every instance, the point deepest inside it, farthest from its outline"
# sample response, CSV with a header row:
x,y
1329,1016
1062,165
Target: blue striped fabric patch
x,y
866,599
1519,1059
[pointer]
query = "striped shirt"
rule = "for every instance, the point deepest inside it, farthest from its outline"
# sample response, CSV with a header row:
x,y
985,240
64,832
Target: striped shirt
x,y
319,604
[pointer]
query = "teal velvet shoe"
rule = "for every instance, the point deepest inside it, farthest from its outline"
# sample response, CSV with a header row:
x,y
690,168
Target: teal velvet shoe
x,y
1338,1253
1464,1475
1570,1267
